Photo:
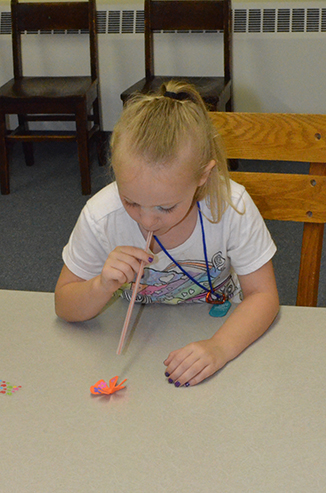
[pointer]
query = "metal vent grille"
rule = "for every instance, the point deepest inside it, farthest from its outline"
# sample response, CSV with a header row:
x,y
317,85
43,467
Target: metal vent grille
x,y
313,18
240,21
251,20
269,20
101,21
128,18
5,23
298,20
140,20
254,21
114,21
283,20
323,21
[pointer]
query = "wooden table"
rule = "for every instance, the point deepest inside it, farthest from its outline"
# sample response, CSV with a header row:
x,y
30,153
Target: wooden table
x,y
258,425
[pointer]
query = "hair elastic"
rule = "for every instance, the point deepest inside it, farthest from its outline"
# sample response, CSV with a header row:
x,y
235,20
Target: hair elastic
x,y
179,96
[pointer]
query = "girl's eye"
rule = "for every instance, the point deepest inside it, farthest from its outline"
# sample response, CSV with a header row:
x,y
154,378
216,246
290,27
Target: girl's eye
x,y
130,204
159,208
169,209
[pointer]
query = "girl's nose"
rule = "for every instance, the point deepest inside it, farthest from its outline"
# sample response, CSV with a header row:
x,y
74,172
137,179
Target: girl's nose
x,y
148,219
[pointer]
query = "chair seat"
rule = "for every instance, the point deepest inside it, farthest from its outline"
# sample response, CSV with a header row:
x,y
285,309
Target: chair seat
x,y
46,87
206,86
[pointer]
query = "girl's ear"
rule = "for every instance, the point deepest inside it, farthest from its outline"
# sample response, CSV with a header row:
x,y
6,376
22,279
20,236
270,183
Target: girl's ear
x,y
206,172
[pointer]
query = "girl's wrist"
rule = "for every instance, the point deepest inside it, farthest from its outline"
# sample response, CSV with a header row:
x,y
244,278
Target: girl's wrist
x,y
104,289
224,352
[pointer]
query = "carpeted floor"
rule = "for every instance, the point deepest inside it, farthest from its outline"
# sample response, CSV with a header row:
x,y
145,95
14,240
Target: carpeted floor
x,y
38,215
45,200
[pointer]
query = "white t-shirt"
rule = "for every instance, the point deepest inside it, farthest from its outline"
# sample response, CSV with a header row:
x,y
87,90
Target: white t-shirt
x,y
238,244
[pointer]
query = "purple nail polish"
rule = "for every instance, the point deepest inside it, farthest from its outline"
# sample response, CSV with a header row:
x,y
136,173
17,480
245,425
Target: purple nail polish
x,y
177,384
150,260
187,384
167,374
170,380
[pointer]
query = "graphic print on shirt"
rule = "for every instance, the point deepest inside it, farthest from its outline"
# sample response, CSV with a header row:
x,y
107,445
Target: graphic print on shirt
x,y
172,286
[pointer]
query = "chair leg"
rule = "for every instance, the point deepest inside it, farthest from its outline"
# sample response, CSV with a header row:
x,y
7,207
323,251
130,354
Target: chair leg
x,y
102,144
312,241
27,146
229,104
4,165
101,140
28,153
233,163
83,148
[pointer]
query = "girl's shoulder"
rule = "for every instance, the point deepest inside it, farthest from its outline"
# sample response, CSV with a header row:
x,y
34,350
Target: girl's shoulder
x,y
237,190
240,197
104,202
237,196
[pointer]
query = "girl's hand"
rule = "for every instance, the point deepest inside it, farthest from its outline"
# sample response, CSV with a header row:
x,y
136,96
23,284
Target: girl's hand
x,y
195,362
77,299
121,266
242,327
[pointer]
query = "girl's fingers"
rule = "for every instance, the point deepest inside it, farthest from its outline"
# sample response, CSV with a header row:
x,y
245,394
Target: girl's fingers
x,y
202,375
182,363
136,253
187,372
193,363
176,358
195,374
123,264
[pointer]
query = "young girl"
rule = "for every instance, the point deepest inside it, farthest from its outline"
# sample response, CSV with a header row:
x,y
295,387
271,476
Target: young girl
x,y
209,240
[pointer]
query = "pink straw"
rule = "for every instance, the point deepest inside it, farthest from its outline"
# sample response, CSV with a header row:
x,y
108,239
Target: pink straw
x,y
133,297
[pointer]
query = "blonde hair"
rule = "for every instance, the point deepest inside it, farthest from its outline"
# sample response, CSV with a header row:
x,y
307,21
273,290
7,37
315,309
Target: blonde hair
x,y
156,126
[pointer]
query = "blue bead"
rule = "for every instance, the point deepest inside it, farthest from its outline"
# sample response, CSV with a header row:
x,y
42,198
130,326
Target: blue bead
x,y
220,310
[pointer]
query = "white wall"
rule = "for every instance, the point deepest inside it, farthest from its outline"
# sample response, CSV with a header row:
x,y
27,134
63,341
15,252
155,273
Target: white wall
x,y
281,73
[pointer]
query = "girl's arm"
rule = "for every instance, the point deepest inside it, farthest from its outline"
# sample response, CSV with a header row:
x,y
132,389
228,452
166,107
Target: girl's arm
x,y
247,322
77,300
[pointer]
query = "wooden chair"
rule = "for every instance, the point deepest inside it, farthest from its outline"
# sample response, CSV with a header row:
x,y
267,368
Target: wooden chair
x,y
74,98
283,196
188,15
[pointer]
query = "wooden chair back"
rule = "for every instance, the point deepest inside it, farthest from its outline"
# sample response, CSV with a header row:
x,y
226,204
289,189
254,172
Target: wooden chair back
x,y
48,16
193,15
188,15
284,196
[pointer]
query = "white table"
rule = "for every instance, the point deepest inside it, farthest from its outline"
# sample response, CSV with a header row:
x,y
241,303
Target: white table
x,y
258,425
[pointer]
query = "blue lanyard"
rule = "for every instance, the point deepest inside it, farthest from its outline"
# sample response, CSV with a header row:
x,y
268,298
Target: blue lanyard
x,y
211,297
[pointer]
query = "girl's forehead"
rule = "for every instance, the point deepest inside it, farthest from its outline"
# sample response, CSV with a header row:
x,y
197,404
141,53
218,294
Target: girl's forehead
x,y
142,173
151,184
155,188
128,162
